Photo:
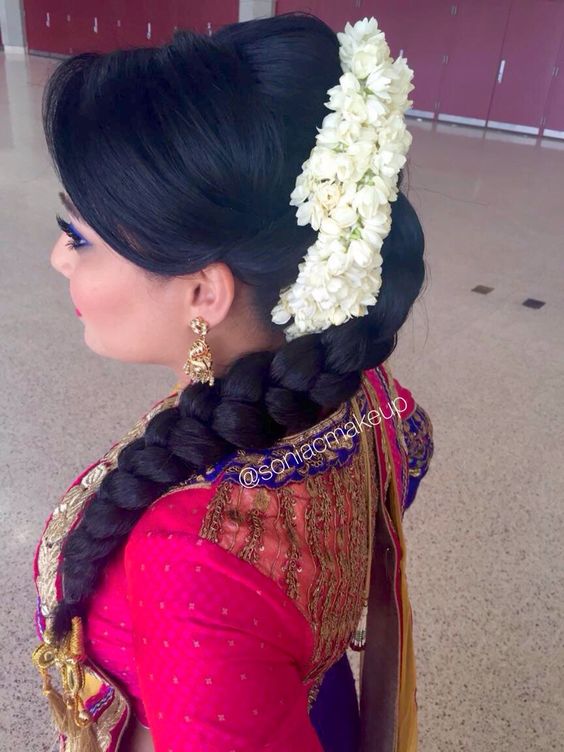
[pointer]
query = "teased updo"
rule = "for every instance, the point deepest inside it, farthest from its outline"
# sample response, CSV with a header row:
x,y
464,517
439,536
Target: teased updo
x,y
186,154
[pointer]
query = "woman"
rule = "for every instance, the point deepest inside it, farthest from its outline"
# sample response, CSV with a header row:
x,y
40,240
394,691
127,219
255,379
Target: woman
x,y
199,585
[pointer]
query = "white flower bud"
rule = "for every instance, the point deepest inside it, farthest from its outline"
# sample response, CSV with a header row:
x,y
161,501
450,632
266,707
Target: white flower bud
x,y
361,252
344,215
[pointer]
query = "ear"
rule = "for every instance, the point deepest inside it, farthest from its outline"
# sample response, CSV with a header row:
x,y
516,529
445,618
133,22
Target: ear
x,y
211,293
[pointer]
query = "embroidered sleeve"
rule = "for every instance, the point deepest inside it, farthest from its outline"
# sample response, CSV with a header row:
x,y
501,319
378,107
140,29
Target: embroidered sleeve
x,y
220,651
418,435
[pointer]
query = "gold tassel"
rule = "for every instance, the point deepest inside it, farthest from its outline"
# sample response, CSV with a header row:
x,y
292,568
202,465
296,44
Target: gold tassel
x,y
84,738
80,728
57,706
87,740
67,709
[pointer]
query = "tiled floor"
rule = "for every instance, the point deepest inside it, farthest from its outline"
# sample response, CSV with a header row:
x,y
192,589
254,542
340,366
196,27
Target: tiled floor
x,y
485,534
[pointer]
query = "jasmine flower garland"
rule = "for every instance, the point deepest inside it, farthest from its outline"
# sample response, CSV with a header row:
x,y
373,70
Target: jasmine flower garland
x,y
347,185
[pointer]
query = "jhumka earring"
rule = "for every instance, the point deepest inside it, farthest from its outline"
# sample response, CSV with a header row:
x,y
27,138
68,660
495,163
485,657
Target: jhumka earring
x,y
199,361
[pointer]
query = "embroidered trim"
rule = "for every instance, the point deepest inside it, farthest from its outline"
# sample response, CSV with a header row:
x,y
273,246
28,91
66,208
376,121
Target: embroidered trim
x,y
418,431
254,539
298,467
286,503
109,706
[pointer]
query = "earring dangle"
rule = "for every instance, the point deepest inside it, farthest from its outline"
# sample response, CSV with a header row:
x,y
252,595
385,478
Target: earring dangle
x,y
199,364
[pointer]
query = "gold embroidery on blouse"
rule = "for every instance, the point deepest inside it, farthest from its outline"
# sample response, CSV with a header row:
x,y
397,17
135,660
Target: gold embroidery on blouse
x,y
261,500
286,505
418,437
343,545
215,512
324,555
91,677
255,523
70,507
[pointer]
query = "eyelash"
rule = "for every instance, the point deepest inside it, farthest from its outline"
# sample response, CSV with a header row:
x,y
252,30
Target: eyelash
x,y
75,239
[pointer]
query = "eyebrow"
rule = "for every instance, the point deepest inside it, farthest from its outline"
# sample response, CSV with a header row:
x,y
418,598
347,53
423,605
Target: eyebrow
x,y
69,206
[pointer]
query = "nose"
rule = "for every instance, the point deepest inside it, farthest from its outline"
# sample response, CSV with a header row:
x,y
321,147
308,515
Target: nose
x,y
62,258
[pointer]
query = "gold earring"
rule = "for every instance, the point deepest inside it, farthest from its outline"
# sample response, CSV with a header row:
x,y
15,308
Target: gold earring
x,y
199,361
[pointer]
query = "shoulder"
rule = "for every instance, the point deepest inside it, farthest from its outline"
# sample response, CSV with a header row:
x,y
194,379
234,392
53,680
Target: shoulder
x,y
177,512
174,573
168,536
192,513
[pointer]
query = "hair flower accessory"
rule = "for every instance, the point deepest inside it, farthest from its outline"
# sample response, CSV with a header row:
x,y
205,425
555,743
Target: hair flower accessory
x,y
347,184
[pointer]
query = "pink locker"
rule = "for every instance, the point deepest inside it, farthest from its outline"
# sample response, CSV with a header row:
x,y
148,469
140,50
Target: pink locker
x,y
336,13
90,27
160,21
46,27
553,121
309,6
420,31
472,60
135,27
525,71
206,17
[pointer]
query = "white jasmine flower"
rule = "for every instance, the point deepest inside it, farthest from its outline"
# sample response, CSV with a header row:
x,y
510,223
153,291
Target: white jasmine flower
x,y
347,185
388,163
344,215
366,56
346,169
376,111
322,163
299,194
310,213
331,227
370,197
349,84
361,252
379,80
339,262
361,152
328,194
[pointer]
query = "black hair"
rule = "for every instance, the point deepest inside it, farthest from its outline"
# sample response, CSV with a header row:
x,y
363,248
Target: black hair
x,y
186,154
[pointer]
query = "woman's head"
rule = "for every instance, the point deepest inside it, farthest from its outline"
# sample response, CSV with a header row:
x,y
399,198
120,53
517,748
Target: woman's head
x,y
180,161
134,316
181,157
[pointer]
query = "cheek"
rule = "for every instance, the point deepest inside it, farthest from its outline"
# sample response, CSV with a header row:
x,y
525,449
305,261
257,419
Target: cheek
x,y
121,318
97,293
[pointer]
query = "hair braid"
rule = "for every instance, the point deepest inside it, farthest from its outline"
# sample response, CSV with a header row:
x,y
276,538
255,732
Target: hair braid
x,y
262,397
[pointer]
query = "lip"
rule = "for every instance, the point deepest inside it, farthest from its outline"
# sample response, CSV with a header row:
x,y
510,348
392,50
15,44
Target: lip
x,y
78,313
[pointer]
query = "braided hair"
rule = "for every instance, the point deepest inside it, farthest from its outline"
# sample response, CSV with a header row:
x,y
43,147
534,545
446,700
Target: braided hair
x,y
186,154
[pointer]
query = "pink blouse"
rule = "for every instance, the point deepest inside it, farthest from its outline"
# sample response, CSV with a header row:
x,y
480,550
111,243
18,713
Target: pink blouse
x,y
181,624
219,614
